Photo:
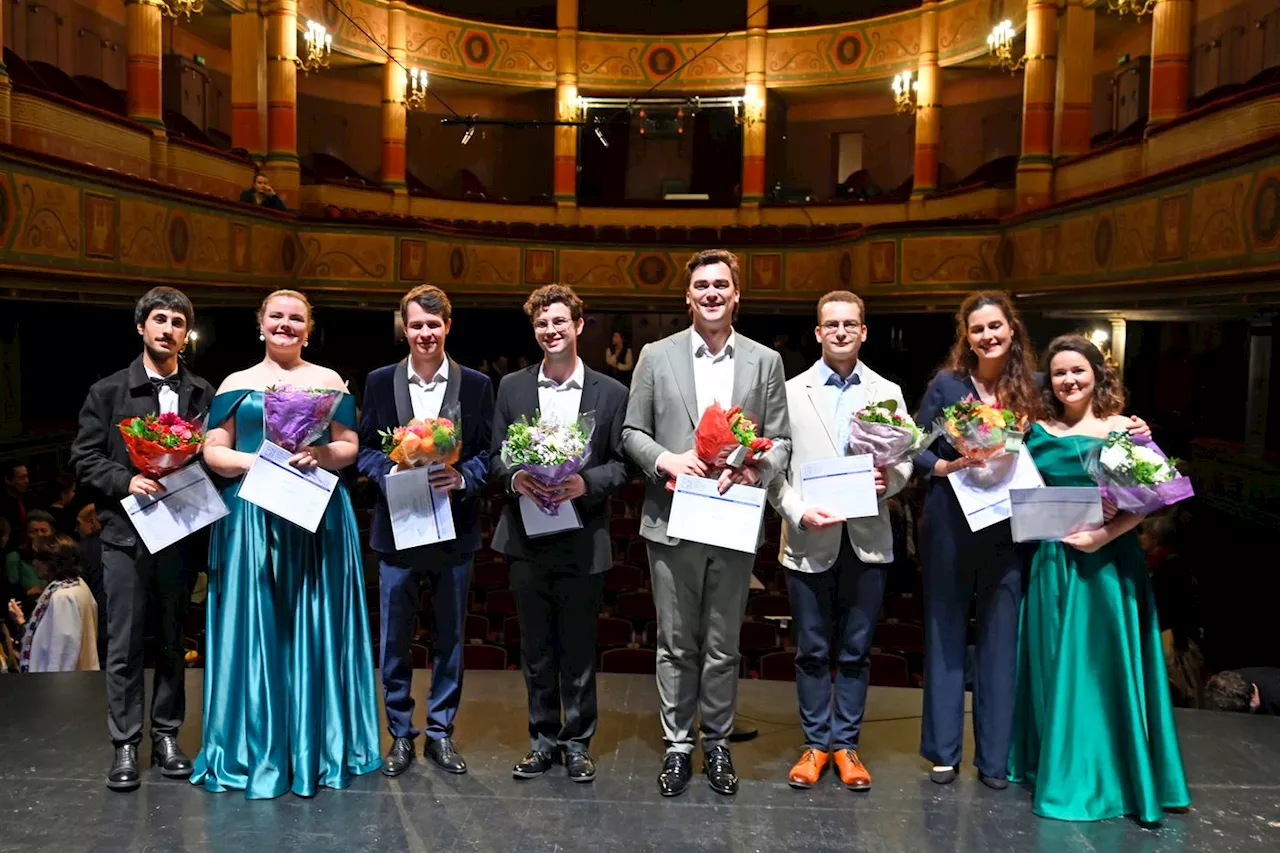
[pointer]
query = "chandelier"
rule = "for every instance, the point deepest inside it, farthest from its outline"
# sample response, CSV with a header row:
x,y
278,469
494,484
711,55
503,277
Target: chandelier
x,y
180,8
904,92
1000,44
1137,8
319,44
415,95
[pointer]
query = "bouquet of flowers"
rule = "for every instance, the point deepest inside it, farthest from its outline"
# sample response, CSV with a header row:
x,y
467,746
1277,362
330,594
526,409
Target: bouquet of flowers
x,y
726,439
160,444
424,441
978,430
550,451
296,417
1135,474
887,434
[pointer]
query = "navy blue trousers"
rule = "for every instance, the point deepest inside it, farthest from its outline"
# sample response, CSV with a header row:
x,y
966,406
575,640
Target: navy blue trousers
x,y
960,567
399,590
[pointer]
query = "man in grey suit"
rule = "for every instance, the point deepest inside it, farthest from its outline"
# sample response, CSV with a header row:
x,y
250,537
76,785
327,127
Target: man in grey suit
x,y
700,591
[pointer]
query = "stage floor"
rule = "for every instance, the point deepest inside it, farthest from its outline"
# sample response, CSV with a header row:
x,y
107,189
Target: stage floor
x,y
54,754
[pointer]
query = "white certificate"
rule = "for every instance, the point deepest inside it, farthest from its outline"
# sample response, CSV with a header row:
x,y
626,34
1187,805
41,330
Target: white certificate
x,y
983,492
1054,512
189,503
420,515
700,513
283,490
845,486
538,523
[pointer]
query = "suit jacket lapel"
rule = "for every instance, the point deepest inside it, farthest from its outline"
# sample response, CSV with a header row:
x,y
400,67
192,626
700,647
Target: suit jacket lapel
x,y
745,361
186,391
400,385
452,388
822,408
528,398
680,357
590,391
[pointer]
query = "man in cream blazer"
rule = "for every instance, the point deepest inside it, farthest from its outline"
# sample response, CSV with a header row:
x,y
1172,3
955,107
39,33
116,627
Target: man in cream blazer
x,y
836,568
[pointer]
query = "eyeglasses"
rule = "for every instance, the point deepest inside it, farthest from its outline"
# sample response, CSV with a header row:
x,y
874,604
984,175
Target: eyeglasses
x,y
832,326
557,323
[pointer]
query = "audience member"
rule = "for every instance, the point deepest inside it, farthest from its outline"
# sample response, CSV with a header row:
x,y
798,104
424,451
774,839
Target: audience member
x,y
1177,595
13,506
19,565
8,590
618,358
62,504
1251,690
89,535
262,194
61,635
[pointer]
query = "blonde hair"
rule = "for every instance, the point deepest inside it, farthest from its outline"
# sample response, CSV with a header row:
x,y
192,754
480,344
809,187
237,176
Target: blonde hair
x,y
288,294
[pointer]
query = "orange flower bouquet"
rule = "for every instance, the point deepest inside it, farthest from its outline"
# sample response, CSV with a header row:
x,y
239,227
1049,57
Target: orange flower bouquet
x,y
158,445
424,441
980,431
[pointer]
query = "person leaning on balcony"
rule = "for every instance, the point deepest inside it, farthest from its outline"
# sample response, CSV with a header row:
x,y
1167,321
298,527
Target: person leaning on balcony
x,y
261,193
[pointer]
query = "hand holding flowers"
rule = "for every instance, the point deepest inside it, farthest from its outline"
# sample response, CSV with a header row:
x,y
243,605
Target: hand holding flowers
x,y
725,445
159,445
295,417
978,430
547,456
1135,474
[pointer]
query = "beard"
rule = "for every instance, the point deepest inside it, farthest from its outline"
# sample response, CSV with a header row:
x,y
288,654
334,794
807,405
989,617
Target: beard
x,y
158,355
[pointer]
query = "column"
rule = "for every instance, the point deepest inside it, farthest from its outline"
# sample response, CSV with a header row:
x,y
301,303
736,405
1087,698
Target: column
x,y
1170,59
6,86
565,176
282,99
143,36
249,81
1255,419
1073,104
393,106
928,113
1119,341
1035,165
754,103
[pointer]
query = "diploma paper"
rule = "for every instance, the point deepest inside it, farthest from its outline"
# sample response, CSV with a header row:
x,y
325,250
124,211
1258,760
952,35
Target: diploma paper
x,y
283,490
983,492
189,503
700,513
845,486
419,514
1054,512
538,523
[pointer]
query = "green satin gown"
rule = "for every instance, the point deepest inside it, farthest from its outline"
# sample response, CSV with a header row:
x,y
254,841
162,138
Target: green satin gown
x,y
1093,735
290,702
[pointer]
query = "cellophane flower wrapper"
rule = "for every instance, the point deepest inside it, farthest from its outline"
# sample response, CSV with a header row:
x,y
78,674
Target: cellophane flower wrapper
x,y
887,443
1135,474
158,445
720,432
295,417
976,429
551,452
426,441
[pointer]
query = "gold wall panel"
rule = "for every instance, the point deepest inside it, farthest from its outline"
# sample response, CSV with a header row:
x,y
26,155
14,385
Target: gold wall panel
x,y
949,260
598,271
1135,235
210,243
1216,226
142,233
347,257
48,214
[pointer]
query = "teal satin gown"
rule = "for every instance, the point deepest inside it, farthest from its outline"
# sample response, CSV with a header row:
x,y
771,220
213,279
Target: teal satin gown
x,y
1093,726
289,692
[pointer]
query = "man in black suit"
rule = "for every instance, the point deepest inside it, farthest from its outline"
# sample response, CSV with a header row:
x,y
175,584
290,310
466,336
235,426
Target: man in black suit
x,y
558,578
156,382
427,384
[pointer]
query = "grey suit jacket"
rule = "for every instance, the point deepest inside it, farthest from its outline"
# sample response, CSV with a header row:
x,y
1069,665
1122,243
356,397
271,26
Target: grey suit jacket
x,y
662,414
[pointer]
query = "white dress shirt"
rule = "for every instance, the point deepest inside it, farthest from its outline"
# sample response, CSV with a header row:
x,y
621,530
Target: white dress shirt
x,y
167,397
427,395
713,374
562,401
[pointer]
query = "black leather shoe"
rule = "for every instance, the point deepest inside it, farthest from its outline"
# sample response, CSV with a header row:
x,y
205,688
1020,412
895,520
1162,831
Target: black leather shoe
x,y
742,734
169,757
941,774
445,756
718,765
677,770
124,774
995,783
398,758
533,765
581,766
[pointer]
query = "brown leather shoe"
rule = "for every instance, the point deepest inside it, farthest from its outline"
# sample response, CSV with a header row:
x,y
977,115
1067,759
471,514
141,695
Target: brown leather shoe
x,y
808,769
853,773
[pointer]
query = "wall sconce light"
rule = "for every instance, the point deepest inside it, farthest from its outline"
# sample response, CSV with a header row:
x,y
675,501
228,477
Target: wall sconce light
x,y
180,8
1099,338
576,110
415,94
746,110
904,92
1000,44
319,44
1137,8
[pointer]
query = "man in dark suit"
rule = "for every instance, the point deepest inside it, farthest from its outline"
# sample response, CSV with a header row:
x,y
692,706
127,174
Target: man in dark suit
x,y
427,384
558,578
156,382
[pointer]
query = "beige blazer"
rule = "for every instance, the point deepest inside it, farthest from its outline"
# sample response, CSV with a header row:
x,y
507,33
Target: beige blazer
x,y
813,438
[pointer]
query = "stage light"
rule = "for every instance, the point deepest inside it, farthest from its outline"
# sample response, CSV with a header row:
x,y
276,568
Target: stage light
x,y
466,137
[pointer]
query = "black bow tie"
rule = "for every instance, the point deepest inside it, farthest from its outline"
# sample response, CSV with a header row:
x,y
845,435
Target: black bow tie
x,y
159,383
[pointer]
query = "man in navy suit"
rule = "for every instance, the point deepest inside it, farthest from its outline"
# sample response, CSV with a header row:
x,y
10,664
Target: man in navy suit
x,y
427,384
558,578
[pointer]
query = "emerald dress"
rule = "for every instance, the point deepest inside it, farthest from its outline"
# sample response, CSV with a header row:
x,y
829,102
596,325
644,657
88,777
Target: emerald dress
x,y
1093,724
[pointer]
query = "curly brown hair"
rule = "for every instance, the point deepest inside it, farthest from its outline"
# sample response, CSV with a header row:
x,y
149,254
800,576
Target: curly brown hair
x,y
548,295
1016,389
58,554
1108,391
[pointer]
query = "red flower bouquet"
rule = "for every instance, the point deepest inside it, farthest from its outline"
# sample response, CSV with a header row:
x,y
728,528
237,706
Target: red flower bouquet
x,y
160,444
727,439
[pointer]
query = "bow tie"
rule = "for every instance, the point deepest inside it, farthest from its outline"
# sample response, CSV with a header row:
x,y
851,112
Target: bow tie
x,y
160,382
567,385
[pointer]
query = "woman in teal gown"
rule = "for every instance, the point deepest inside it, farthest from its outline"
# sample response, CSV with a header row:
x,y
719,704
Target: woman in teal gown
x,y
289,693
1093,724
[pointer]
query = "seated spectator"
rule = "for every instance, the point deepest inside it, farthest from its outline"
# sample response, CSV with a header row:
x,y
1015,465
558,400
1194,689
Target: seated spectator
x,y
1251,690
19,565
13,506
62,633
89,534
261,194
7,590
87,523
62,504
1177,593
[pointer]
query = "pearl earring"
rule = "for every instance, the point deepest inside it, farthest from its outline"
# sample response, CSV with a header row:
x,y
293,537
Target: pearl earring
x,y
261,336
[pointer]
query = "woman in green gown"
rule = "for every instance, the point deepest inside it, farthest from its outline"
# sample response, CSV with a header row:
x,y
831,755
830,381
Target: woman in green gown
x,y
289,693
1093,725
